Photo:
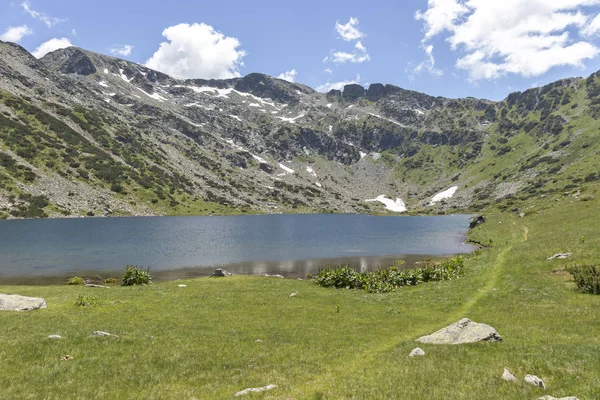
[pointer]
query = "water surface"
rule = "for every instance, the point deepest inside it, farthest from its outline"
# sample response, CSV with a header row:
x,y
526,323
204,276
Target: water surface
x,y
174,247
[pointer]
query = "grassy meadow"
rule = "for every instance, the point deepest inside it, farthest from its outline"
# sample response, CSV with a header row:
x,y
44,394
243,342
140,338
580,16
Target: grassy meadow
x,y
216,337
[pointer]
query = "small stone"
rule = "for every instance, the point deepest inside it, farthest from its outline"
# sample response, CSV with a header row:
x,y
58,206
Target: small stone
x,y
535,381
560,256
293,294
507,376
93,285
258,340
54,337
220,273
255,390
522,215
182,285
102,334
274,276
66,357
417,352
548,397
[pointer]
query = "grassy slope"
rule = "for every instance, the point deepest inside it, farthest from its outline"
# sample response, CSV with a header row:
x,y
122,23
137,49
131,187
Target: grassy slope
x,y
200,341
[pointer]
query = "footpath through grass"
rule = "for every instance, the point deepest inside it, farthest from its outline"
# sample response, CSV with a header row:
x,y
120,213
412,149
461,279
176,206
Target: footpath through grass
x,y
218,336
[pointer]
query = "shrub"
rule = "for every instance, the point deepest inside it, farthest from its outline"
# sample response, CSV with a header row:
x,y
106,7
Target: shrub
x,y
86,301
587,277
75,281
110,281
388,279
136,276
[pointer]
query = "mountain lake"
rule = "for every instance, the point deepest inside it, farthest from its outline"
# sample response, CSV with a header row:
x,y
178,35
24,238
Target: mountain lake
x,y
46,251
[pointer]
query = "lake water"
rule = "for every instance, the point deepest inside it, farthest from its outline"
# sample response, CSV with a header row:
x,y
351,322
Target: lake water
x,y
47,250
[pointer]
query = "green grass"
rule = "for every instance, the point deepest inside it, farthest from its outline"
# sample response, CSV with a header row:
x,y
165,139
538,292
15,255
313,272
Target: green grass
x,y
201,341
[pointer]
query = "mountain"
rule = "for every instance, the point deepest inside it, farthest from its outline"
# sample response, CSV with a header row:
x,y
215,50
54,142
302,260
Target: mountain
x,y
87,134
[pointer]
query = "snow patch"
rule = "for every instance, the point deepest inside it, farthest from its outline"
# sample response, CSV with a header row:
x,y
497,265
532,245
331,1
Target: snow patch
x,y
154,96
286,169
446,194
329,105
330,128
387,119
318,184
123,76
311,171
103,84
235,117
254,105
106,70
362,154
396,206
291,120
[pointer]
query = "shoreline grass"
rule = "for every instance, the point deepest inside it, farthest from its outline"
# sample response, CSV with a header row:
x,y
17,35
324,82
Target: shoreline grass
x,y
200,341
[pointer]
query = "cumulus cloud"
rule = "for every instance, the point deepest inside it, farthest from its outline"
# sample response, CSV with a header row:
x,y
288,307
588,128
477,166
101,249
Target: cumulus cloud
x,y
15,33
522,37
289,76
45,18
359,55
121,50
349,31
198,51
326,87
51,45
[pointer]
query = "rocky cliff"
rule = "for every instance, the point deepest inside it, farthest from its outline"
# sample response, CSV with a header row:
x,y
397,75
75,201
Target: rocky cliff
x,y
87,134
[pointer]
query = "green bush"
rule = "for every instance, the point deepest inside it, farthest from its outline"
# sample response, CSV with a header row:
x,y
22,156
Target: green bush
x,y
587,277
75,281
86,301
387,279
136,276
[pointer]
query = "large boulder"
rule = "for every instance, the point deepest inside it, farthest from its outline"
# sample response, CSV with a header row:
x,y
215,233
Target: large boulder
x,y
476,221
463,331
13,302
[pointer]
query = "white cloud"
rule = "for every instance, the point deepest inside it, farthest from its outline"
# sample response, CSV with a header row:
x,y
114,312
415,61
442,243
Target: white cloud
x,y
428,64
73,32
51,45
523,37
326,87
45,18
349,31
197,51
121,50
328,70
359,55
289,76
15,33
593,27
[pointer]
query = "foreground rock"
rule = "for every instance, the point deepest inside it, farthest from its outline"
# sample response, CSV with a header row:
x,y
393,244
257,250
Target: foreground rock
x,y
93,285
463,331
507,376
13,302
220,273
417,352
548,397
535,381
255,390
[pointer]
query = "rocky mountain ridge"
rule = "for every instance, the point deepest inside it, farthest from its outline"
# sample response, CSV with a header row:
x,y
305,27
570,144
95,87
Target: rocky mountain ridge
x,y
87,134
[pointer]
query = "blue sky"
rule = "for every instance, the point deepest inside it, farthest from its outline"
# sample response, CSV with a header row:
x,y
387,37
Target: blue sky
x,y
453,48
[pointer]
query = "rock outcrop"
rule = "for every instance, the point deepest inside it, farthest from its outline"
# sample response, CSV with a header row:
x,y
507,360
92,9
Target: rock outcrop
x,y
13,302
463,331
